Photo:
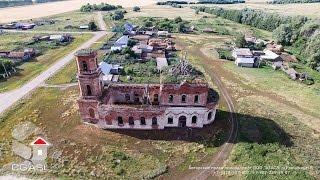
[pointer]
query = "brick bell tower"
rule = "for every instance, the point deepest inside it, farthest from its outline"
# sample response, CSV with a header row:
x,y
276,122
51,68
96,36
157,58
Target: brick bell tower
x,y
90,84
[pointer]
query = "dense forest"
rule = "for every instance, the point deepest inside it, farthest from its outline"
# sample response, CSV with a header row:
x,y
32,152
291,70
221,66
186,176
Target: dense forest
x,y
292,1
301,34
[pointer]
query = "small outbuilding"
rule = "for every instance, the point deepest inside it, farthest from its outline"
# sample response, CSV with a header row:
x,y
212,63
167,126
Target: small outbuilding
x,y
161,63
270,56
245,62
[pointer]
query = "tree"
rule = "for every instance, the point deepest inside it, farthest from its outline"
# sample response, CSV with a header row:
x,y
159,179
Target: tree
x,y
92,26
314,60
283,34
136,8
240,41
177,19
181,27
117,15
197,11
148,24
132,42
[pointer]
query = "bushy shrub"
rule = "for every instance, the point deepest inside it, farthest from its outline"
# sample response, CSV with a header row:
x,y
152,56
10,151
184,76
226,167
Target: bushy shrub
x,y
92,26
136,9
117,15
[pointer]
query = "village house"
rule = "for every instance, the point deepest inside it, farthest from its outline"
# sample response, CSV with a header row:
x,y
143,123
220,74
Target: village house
x,y
129,29
276,48
270,56
140,106
121,43
110,72
25,26
163,34
60,37
9,26
19,56
208,30
243,57
84,27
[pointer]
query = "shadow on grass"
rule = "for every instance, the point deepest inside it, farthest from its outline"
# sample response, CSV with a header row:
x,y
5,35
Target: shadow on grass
x,y
252,129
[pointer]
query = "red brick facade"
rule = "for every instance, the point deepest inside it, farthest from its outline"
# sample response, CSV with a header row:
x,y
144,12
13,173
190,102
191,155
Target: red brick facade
x,y
140,106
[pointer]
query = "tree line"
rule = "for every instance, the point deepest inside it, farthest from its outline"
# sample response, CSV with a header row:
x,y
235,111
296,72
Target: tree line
x,y
98,7
220,1
298,32
179,3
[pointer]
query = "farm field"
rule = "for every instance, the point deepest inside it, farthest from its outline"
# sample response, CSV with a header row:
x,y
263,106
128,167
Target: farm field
x,y
69,21
30,69
165,12
48,9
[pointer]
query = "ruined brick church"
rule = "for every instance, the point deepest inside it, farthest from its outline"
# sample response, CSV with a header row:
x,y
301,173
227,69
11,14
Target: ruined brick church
x,y
140,106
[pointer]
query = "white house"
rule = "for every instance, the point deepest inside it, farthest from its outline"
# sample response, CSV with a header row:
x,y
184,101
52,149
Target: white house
x,y
163,33
270,56
243,57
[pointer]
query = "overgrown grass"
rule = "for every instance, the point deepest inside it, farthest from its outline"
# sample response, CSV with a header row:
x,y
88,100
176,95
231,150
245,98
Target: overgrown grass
x,y
272,136
226,27
277,82
69,21
11,41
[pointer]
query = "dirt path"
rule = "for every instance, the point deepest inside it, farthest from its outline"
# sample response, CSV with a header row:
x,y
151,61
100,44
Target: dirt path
x,y
224,151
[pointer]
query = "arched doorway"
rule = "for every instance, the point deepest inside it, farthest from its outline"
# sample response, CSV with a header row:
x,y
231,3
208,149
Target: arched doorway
x,y
182,121
91,113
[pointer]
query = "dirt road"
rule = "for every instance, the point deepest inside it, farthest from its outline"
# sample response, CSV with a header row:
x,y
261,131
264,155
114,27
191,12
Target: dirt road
x,y
224,151
7,99
48,9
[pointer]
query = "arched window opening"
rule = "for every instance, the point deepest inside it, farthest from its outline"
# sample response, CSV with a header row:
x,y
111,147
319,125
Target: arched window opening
x,y
170,120
171,99
120,121
131,121
89,92
156,98
127,96
136,98
194,120
142,121
85,66
196,99
182,121
154,121
183,98
209,115
91,113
